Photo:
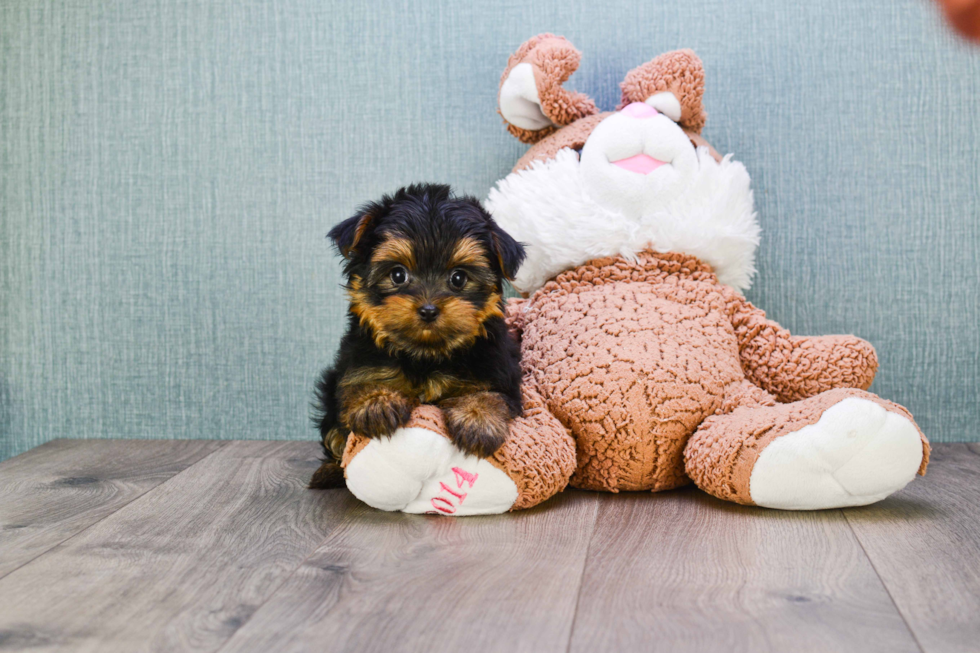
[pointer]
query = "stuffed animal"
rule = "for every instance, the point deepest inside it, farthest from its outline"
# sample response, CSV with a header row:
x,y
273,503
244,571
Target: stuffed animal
x,y
644,366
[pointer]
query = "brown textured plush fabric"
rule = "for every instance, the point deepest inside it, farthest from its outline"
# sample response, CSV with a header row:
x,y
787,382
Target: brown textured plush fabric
x,y
538,455
553,60
679,72
632,357
793,368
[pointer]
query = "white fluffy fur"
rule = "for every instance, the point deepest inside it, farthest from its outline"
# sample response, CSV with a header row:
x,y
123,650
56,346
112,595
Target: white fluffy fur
x,y
547,208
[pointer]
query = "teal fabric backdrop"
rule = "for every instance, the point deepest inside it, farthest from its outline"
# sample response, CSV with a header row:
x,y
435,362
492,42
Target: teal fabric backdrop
x,y
168,171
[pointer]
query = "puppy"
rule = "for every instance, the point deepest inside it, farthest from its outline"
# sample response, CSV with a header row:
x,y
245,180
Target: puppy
x,y
425,276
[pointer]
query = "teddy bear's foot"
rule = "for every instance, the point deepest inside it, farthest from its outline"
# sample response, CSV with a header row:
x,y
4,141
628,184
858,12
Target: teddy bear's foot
x,y
417,470
840,448
857,453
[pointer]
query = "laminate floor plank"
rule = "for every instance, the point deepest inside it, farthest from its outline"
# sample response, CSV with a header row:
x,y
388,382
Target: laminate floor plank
x,y
183,566
54,491
218,546
681,571
393,582
925,545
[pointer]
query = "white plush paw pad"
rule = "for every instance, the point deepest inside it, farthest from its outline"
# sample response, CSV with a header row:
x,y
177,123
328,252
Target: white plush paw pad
x,y
419,471
856,454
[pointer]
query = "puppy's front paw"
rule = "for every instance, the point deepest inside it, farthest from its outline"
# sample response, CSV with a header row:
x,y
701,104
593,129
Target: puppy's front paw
x,y
376,412
477,423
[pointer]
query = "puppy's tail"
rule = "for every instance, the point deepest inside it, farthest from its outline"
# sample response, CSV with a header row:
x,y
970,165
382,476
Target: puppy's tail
x,y
329,476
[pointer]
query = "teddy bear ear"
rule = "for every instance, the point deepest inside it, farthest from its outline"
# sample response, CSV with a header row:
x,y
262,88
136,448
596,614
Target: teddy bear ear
x,y
531,98
673,84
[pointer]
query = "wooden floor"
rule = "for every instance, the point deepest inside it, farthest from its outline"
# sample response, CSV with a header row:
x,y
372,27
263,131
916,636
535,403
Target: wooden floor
x,y
217,546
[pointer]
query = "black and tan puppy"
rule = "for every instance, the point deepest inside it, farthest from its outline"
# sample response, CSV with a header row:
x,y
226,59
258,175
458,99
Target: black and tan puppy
x,y
424,275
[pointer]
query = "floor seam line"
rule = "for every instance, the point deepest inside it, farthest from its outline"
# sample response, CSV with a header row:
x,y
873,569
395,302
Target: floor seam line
x,y
581,580
915,638
222,445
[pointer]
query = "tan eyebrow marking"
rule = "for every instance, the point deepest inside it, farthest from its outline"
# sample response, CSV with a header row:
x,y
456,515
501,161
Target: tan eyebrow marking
x,y
397,250
468,252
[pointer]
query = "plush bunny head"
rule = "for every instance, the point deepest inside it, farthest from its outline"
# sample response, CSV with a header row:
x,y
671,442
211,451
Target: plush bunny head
x,y
615,183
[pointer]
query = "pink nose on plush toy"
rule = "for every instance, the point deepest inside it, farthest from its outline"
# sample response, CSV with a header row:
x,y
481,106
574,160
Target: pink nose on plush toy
x,y
639,110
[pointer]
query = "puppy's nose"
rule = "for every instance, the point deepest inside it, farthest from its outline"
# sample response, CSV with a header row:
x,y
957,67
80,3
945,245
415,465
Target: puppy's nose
x,y
428,312
639,110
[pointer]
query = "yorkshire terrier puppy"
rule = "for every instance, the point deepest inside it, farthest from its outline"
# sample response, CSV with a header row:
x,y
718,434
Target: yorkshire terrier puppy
x,y
425,276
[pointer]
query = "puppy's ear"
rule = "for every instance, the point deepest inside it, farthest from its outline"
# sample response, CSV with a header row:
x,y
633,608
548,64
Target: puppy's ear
x,y
510,253
350,232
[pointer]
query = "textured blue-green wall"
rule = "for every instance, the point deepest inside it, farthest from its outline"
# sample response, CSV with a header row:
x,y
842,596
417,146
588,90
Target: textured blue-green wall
x,y
168,170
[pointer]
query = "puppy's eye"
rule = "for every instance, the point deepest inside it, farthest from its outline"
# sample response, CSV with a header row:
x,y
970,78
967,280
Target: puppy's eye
x,y
398,275
458,279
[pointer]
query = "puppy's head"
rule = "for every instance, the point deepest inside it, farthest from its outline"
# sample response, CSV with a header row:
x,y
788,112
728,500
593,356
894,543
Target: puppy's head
x,y
424,269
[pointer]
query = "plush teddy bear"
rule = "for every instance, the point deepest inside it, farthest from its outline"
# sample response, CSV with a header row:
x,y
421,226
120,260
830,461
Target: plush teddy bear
x,y
644,366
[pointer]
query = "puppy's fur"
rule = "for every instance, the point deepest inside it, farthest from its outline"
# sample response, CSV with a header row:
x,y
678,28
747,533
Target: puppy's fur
x,y
424,275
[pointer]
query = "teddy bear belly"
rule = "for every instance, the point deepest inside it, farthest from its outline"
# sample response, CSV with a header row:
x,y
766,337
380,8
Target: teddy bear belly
x,y
631,377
